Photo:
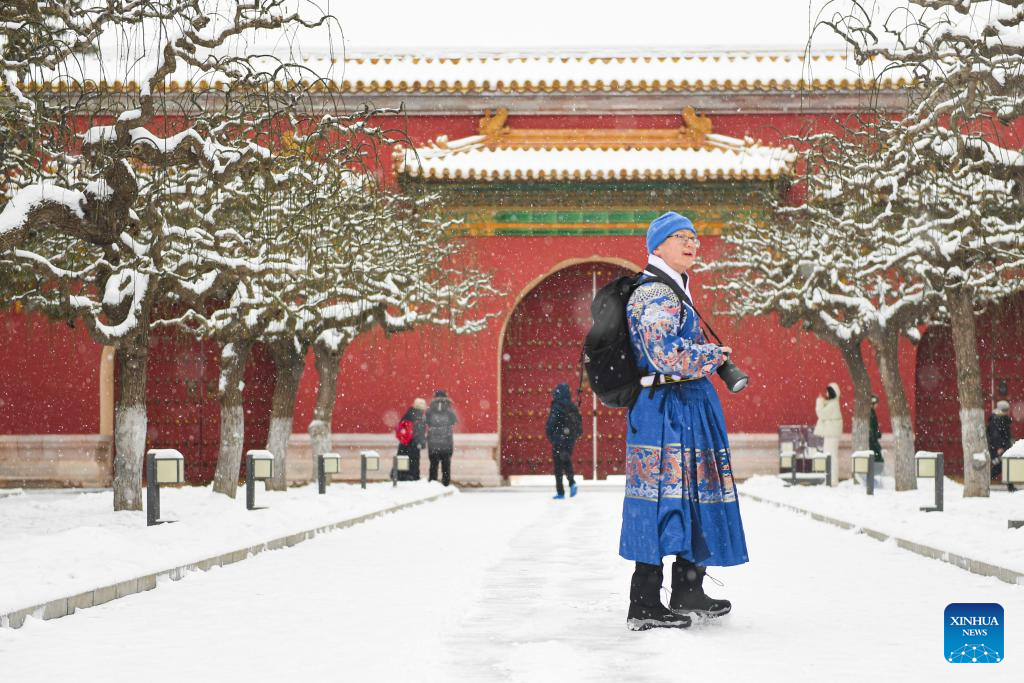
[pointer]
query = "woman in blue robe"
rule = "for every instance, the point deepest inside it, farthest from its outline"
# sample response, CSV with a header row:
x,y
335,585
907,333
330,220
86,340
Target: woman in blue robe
x,y
680,496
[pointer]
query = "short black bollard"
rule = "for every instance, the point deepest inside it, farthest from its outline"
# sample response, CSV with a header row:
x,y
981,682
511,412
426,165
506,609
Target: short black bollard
x,y
1013,476
321,477
259,466
821,463
786,458
152,491
860,462
326,465
368,461
163,466
250,485
930,464
940,481
399,464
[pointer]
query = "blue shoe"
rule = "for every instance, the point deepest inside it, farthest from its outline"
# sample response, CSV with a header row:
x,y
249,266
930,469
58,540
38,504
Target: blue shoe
x,y
558,496
572,491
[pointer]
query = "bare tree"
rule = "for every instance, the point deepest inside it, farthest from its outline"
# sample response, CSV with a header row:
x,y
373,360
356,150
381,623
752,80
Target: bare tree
x,y
103,201
768,269
827,262
398,266
956,191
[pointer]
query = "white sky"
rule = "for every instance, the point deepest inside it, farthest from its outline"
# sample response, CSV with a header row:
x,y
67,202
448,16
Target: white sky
x,y
453,25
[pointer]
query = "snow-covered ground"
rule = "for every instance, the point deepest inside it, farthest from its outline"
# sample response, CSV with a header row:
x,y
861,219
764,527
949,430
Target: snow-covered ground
x,y
54,544
973,527
508,585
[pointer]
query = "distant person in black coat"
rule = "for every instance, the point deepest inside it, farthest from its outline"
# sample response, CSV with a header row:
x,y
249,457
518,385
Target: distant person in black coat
x,y
441,421
564,427
415,416
874,433
999,440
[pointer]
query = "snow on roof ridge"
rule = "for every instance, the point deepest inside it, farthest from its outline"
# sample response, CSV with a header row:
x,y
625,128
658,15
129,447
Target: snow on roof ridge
x,y
583,71
584,51
597,51
470,158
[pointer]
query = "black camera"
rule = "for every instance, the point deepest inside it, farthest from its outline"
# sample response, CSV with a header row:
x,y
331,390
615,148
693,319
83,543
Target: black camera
x,y
734,378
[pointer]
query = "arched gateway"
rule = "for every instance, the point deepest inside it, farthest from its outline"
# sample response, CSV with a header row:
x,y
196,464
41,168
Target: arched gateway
x,y
541,348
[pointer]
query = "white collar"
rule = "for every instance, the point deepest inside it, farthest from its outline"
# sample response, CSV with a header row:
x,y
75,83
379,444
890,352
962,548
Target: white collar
x,y
682,280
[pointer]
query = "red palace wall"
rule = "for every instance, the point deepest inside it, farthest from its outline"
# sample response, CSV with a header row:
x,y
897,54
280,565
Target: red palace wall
x,y
49,384
1001,353
380,377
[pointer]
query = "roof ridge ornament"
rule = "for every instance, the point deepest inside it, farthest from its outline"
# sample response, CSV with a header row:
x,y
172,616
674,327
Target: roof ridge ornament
x,y
695,125
492,124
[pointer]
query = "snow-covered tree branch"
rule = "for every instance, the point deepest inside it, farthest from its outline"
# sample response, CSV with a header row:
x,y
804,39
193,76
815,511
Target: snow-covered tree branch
x,y
953,192
122,114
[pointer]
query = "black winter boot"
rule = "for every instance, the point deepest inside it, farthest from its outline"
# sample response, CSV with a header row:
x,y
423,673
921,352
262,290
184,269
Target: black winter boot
x,y
688,595
645,608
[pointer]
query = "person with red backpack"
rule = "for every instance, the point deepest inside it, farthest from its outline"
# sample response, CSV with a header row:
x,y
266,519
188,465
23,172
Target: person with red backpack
x,y
411,433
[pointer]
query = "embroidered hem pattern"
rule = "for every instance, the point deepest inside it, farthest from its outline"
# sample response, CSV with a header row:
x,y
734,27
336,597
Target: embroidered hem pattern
x,y
701,475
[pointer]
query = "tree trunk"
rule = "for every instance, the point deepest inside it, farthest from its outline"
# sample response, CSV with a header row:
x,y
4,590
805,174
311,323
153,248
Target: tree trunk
x,y
861,394
130,423
960,304
887,353
233,359
328,363
290,362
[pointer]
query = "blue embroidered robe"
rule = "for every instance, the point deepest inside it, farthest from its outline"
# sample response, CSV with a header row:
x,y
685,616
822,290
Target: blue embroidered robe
x,y
680,496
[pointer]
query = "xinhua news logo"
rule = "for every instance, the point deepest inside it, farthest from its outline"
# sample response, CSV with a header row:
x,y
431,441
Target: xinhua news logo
x,y
974,633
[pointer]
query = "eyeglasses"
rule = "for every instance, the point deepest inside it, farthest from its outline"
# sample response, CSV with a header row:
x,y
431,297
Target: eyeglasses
x,y
687,240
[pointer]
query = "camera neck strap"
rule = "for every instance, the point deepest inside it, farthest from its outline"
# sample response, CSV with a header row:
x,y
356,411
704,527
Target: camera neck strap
x,y
664,277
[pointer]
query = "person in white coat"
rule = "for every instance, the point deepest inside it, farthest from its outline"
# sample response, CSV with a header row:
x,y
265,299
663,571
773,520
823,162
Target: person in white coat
x,y
830,425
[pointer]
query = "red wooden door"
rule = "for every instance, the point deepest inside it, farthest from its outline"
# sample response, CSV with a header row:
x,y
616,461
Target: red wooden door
x,y
542,349
182,400
1000,340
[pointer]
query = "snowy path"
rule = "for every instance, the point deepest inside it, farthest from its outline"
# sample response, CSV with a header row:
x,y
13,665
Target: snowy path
x,y
510,585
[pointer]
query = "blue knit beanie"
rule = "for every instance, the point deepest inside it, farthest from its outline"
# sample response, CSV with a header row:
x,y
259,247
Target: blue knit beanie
x,y
664,225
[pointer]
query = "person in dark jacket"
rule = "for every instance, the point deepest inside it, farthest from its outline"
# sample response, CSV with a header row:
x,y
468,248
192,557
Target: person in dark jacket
x,y
441,421
564,427
416,416
874,433
998,432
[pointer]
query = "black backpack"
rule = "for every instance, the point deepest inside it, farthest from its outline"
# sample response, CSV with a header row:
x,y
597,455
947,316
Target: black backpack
x,y
607,351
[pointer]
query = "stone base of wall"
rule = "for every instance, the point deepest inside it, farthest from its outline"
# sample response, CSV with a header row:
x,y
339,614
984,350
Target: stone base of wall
x,y
759,454
85,460
56,460
474,462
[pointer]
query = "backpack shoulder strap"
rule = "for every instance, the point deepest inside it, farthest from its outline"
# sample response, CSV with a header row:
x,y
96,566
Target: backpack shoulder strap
x,y
664,277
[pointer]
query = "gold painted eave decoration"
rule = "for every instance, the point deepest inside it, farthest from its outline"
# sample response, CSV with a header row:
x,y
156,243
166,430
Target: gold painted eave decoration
x,y
691,151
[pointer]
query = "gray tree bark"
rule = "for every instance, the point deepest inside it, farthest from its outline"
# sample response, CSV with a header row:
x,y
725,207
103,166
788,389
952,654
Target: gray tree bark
x,y
130,424
861,394
960,304
289,362
887,352
328,364
233,359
